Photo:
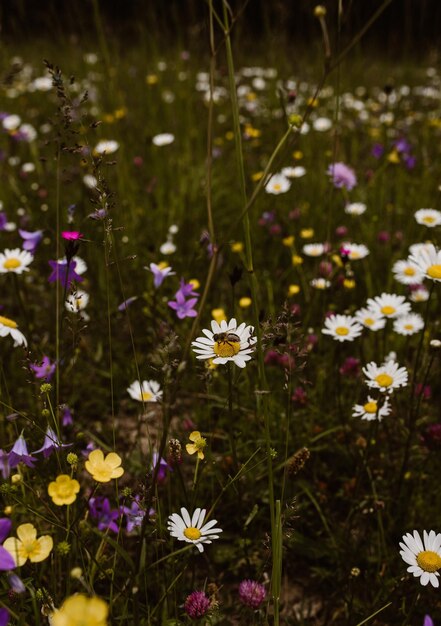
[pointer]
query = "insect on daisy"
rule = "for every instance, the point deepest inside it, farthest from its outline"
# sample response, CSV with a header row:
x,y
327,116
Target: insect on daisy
x,y
355,251
226,342
342,327
423,557
386,377
191,529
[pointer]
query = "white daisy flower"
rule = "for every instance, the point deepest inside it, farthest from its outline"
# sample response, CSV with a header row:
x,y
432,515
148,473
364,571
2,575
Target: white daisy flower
x,y
11,122
9,327
408,324
342,327
191,529
226,342
320,283
322,124
428,217
419,295
106,146
389,304
416,248
168,247
371,410
423,558
386,377
370,319
355,208
406,273
428,261
314,249
15,261
293,172
278,184
163,139
80,266
77,301
147,391
355,251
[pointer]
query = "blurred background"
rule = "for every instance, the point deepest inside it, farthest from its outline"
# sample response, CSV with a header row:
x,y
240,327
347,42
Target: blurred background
x,y
406,27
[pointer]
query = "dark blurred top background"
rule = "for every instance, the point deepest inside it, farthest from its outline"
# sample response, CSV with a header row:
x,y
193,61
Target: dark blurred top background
x,y
408,27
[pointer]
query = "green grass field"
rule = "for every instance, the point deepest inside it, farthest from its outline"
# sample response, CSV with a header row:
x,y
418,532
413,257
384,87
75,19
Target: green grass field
x,y
219,333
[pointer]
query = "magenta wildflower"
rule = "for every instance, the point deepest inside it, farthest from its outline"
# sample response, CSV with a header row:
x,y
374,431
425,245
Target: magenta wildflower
x,y
64,272
342,176
428,621
197,604
46,370
71,235
252,593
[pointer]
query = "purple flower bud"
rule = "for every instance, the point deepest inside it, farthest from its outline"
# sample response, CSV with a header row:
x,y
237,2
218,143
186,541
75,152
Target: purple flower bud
x,y
252,593
197,604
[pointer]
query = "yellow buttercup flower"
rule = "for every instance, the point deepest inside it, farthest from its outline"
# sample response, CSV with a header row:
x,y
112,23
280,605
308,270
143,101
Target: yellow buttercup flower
x,y
293,290
194,283
296,259
288,241
256,176
63,490
79,610
245,302
26,545
218,315
236,246
104,469
307,233
198,444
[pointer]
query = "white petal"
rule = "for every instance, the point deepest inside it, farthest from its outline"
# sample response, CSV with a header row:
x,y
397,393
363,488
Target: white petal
x,y
186,517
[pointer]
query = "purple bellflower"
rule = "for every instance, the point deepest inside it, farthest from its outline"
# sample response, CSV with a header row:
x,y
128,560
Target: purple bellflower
x,y
20,454
159,273
51,443
64,272
99,508
30,239
44,371
6,560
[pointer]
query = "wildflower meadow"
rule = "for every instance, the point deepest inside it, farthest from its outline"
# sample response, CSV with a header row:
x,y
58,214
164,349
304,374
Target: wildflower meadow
x,y
220,341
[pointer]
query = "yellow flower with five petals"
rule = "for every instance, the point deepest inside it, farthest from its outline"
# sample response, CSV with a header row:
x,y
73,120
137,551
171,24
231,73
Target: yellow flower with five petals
x,y
26,545
104,469
198,444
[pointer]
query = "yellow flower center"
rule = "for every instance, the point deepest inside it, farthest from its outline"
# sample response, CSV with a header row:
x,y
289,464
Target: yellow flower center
x,y
370,407
369,321
342,330
29,548
429,561
192,533
384,380
226,348
354,254
11,264
7,322
408,326
388,310
409,271
434,271
146,396
277,187
428,219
